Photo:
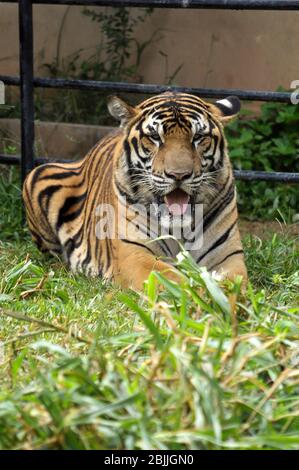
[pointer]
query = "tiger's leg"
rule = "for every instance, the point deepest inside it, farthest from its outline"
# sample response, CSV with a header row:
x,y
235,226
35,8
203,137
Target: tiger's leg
x,y
232,267
135,263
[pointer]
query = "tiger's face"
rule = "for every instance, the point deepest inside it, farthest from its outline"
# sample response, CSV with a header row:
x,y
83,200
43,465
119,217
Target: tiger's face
x,y
173,144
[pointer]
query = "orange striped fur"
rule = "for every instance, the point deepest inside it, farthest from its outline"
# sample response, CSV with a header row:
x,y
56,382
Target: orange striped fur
x,y
170,147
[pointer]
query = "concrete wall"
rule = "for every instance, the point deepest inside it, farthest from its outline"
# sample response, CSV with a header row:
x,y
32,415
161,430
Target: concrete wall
x,y
217,48
53,140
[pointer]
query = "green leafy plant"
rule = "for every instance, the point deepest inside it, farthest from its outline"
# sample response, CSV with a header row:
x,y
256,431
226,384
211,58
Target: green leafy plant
x,y
267,142
119,44
5,110
11,224
117,57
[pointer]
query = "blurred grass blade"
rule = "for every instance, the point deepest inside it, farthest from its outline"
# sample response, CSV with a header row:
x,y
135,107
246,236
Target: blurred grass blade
x,y
216,293
146,319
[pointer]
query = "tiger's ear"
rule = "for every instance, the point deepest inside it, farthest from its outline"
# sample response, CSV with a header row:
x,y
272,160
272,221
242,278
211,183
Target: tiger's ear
x,y
120,110
227,108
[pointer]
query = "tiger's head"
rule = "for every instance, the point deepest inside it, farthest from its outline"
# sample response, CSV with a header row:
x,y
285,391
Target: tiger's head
x,y
172,145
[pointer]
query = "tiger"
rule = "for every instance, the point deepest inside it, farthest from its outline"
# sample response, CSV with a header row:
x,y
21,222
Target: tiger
x,y
170,150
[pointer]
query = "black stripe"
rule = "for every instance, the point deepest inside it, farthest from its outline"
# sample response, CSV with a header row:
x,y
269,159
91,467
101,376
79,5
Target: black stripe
x,y
69,247
63,215
48,193
29,199
108,246
127,151
60,176
72,243
218,242
135,145
138,244
78,237
47,166
71,216
123,193
222,190
225,201
87,258
36,174
237,252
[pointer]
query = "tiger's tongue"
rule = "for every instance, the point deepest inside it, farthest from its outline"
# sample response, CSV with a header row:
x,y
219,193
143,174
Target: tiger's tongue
x,y
177,202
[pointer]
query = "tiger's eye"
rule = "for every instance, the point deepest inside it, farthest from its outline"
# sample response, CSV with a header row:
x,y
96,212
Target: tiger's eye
x,y
197,136
155,136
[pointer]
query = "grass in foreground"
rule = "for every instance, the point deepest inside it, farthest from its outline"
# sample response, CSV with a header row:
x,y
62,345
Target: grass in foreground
x,y
86,366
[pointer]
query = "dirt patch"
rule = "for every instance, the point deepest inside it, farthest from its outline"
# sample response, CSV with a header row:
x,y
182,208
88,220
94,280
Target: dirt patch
x,y
266,229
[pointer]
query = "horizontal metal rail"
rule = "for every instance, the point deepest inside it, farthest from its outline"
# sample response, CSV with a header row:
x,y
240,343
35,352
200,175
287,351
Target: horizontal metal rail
x,y
122,87
16,160
274,176
244,175
199,4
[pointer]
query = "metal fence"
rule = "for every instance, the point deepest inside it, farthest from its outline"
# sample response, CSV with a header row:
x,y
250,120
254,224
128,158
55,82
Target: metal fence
x,y
27,81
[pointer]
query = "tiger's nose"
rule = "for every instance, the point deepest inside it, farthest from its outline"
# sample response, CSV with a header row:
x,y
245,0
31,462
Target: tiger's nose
x,y
179,175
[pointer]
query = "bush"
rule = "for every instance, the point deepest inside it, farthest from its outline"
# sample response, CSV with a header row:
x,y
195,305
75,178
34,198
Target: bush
x,y
269,142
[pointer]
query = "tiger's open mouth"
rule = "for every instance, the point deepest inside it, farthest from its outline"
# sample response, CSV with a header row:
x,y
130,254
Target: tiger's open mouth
x,y
177,202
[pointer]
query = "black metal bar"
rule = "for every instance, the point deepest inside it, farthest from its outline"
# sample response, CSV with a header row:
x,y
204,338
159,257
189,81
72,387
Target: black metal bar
x,y
244,175
16,160
122,87
10,80
10,159
203,4
274,176
27,103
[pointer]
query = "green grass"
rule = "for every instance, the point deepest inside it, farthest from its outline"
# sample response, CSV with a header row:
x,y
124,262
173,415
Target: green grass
x,y
87,366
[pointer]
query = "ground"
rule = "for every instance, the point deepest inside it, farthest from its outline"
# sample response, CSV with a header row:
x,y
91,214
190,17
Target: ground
x,y
85,365
265,229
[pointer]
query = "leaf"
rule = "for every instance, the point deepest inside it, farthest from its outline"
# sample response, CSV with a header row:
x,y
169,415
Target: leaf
x,y
145,318
216,293
171,286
